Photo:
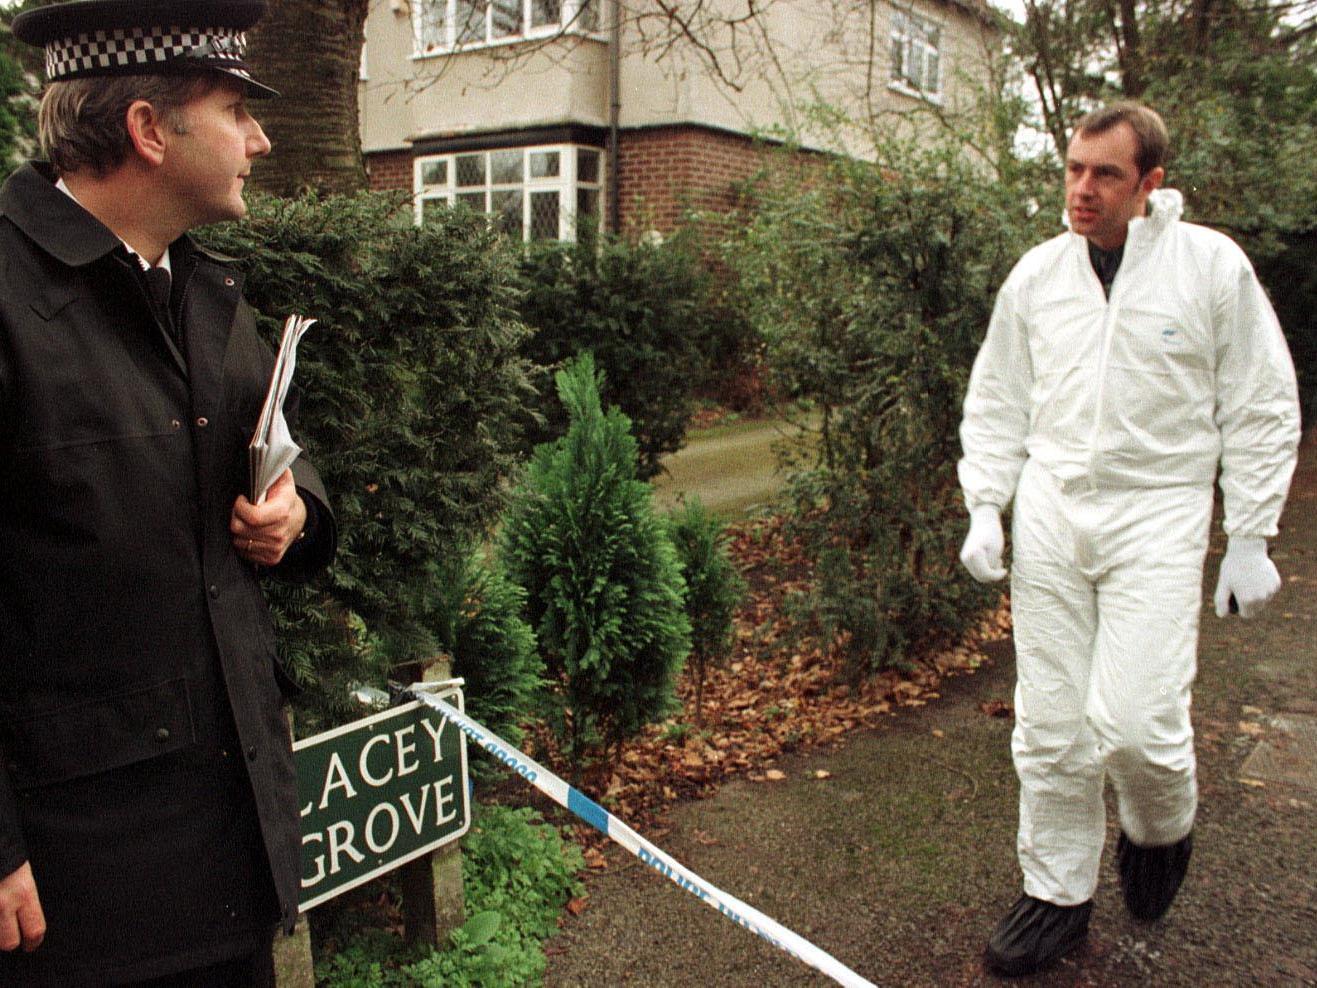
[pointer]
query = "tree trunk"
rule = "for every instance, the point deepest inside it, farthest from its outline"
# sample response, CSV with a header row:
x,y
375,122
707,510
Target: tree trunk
x,y
310,50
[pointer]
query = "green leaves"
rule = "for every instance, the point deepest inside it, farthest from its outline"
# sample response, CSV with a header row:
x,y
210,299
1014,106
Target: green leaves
x,y
604,588
412,395
873,288
648,316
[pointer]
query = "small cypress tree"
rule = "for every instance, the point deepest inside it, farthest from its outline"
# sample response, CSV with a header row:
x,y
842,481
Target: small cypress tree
x,y
604,587
477,620
714,589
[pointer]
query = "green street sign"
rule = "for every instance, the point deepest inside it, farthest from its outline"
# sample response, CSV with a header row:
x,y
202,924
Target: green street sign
x,y
378,792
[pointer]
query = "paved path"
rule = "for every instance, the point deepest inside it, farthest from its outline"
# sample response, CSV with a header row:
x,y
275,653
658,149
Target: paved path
x,y
900,863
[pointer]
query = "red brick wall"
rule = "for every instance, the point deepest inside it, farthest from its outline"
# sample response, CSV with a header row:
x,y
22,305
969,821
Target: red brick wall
x,y
666,171
389,169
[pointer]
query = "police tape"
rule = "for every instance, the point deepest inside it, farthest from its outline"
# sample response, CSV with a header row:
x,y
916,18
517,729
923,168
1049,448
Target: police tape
x,y
599,818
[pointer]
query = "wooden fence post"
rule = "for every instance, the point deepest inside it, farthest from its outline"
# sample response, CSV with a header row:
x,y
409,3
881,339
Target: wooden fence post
x,y
433,901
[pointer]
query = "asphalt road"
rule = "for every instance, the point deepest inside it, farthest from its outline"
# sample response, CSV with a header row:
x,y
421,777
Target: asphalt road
x,y
902,860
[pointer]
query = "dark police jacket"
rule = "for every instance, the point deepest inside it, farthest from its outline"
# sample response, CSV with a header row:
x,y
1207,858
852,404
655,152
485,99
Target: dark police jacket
x,y
147,770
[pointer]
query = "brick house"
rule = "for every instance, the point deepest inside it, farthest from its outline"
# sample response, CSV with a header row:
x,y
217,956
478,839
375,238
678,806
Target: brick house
x,y
512,106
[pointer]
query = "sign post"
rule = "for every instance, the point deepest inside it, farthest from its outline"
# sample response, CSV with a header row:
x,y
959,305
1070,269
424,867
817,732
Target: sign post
x,y
377,793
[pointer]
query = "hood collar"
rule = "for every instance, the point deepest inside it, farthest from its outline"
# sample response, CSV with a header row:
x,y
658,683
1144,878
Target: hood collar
x,y
1165,206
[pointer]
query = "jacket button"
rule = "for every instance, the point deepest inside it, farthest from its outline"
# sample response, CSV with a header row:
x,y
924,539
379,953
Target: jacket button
x,y
214,592
251,753
162,734
229,282
175,424
202,422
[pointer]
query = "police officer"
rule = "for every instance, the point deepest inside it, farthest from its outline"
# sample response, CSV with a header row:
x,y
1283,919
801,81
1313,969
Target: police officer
x,y
148,827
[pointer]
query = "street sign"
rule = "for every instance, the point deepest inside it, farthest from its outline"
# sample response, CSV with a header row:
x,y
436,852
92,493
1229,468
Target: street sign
x,y
378,792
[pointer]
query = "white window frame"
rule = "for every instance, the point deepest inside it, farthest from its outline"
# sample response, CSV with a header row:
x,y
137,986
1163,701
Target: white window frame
x,y
570,13
916,37
566,183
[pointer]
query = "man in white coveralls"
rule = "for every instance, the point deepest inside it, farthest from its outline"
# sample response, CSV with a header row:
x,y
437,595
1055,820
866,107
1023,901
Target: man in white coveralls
x,y
1125,361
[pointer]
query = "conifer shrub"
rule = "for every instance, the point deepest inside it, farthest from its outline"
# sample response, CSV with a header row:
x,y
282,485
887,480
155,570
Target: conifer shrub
x,y
714,589
648,314
492,647
412,391
603,583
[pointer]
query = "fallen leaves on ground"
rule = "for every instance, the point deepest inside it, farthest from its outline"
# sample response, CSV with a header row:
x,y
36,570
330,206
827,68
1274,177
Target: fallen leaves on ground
x,y
780,691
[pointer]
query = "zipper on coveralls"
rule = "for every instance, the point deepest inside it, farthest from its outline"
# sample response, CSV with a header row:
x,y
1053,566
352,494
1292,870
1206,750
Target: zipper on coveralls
x,y
1104,359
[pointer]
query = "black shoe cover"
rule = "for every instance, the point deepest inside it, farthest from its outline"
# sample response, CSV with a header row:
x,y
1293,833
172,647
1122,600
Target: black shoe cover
x,y
1150,876
1036,934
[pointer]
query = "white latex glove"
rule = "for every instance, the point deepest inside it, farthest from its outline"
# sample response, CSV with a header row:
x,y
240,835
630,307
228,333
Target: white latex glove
x,y
1247,575
983,546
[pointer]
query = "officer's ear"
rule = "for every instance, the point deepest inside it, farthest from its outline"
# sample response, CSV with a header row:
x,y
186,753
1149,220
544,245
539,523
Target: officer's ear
x,y
148,131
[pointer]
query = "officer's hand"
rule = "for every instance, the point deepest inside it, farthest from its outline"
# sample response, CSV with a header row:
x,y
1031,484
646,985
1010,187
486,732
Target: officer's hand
x,y
983,546
263,532
1248,575
21,918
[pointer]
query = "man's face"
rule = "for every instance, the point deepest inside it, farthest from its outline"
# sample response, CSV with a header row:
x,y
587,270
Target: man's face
x,y
1103,187
206,164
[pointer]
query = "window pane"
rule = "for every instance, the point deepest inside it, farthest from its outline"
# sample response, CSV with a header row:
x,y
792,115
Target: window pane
x,y
428,21
474,201
587,202
587,165
506,167
544,12
587,15
505,212
544,164
434,172
471,169
930,71
506,18
431,208
470,20
544,216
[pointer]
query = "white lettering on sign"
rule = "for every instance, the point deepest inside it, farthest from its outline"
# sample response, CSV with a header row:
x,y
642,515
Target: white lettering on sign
x,y
434,730
405,766
341,835
336,777
395,824
382,829
441,799
363,763
418,814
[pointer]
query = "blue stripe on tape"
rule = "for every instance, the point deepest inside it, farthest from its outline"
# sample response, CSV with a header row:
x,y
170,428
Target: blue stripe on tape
x,y
587,809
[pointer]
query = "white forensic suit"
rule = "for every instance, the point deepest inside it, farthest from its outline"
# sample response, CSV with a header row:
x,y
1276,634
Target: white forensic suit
x,y
1106,421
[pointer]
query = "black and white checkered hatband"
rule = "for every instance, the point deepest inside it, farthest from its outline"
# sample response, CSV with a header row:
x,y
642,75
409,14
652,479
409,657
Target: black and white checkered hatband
x,y
136,49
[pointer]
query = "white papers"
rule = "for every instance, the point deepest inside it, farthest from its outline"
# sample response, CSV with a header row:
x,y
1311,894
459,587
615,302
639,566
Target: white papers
x,y
272,450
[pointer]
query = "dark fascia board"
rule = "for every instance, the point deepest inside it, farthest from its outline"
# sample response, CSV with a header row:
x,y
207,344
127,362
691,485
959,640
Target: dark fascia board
x,y
495,140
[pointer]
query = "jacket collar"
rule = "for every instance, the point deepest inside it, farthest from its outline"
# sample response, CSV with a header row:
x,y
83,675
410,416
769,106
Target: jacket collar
x,y
57,224
60,226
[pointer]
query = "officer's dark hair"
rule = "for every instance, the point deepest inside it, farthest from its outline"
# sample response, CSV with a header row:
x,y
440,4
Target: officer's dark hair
x,y
1149,131
82,122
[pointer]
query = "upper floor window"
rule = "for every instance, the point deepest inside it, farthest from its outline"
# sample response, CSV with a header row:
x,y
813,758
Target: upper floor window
x,y
447,25
916,54
536,193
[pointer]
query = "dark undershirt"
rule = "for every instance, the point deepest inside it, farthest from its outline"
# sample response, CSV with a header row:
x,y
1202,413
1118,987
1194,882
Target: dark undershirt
x,y
1106,263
